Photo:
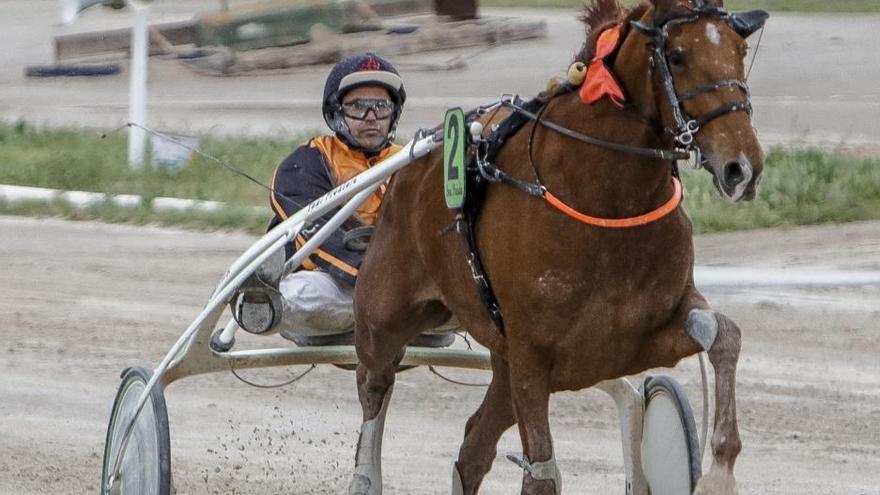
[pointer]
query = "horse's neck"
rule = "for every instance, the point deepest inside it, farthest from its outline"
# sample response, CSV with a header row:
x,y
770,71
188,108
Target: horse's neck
x,y
605,182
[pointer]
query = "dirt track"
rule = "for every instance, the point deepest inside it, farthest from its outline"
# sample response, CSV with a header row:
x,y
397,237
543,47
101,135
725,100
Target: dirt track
x,y
81,301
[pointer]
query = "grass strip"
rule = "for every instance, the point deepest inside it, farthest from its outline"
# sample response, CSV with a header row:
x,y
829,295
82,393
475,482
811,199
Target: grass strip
x,y
79,159
800,186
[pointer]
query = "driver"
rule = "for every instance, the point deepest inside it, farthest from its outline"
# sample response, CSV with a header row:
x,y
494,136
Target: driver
x,y
363,99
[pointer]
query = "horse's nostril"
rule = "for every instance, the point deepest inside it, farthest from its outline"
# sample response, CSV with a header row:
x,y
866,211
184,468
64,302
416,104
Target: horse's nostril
x,y
734,173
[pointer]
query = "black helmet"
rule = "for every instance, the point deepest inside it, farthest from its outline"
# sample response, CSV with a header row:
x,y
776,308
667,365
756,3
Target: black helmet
x,y
367,69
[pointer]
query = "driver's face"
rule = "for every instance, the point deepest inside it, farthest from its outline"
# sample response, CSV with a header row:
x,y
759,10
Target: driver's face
x,y
369,132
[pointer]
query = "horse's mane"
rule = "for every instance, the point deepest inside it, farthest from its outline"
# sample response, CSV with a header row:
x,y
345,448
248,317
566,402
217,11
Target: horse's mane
x,y
600,14
596,15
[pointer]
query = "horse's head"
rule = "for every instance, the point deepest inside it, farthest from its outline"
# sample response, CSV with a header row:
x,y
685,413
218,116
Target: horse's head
x,y
697,51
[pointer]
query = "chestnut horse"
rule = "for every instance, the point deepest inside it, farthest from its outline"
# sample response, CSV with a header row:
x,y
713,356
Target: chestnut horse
x,y
581,303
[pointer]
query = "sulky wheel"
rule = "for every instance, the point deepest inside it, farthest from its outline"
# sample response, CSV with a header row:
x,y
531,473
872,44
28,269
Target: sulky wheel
x,y
145,468
670,445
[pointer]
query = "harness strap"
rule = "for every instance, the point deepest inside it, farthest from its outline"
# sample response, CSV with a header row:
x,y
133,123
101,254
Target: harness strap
x,y
619,223
465,226
492,173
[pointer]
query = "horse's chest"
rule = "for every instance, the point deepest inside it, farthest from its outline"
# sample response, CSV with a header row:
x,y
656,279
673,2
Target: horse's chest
x,y
608,288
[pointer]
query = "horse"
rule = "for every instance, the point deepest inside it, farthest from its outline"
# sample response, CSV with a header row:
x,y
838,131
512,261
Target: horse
x,y
581,302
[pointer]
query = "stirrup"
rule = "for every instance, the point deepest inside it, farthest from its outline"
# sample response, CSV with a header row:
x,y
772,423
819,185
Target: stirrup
x,y
257,305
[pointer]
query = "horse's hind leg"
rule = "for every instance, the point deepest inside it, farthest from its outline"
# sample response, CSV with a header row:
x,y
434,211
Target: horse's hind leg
x,y
385,323
482,432
529,386
726,444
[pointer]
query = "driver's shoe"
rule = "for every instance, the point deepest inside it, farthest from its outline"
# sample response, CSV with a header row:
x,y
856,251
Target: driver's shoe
x,y
257,304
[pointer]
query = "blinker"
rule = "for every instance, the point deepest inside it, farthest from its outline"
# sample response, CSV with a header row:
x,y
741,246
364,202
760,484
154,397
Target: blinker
x,y
746,23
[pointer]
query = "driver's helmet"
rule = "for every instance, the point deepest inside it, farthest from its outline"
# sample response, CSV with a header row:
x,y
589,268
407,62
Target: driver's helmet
x,y
367,69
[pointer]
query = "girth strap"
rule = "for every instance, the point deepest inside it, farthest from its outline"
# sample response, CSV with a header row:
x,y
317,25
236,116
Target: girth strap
x,y
465,226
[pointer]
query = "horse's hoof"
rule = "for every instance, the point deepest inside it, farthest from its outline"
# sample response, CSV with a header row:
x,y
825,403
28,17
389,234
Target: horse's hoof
x,y
717,481
360,485
457,485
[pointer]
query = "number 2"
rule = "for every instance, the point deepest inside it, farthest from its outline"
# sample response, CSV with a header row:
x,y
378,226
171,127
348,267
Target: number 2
x,y
452,131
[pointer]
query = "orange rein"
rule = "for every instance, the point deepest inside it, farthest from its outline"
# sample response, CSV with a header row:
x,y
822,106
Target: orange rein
x,y
620,223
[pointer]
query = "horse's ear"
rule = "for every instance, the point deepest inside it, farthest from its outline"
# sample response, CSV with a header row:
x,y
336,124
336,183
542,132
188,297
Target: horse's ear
x,y
662,9
746,23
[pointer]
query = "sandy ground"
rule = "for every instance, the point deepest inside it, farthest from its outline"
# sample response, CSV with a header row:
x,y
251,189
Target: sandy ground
x,y
814,80
81,301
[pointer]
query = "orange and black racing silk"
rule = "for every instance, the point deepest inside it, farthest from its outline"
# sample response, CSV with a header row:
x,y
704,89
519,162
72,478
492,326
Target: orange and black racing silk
x,y
307,174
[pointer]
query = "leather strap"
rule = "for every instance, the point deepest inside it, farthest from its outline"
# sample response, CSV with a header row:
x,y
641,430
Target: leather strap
x,y
618,223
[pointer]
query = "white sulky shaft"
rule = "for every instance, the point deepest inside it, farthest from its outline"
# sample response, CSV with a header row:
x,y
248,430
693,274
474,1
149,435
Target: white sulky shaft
x,y
361,186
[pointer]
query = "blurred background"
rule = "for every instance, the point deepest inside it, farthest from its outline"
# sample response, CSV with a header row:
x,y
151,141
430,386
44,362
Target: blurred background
x,y
245,78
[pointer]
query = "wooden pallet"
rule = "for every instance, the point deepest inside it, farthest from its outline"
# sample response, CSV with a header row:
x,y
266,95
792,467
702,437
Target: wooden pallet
x,y
402,36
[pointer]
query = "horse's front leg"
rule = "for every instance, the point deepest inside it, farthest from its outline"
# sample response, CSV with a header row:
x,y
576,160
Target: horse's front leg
x,y
696,328
726,444
482,432
374,392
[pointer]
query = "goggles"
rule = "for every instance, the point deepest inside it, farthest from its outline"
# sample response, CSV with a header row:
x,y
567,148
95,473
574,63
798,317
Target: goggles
x,y
359,108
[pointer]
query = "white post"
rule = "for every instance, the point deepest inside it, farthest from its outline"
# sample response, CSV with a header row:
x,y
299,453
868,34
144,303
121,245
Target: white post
x,y
137,91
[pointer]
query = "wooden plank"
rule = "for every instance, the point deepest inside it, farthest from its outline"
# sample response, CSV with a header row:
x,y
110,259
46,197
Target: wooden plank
x,y
78,45
427,37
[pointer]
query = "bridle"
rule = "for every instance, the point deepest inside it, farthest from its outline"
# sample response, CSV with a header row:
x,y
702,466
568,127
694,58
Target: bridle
x,y
686,127
683,133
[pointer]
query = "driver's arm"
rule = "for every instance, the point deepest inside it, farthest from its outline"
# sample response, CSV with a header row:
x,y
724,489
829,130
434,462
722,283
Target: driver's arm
x,y
300,179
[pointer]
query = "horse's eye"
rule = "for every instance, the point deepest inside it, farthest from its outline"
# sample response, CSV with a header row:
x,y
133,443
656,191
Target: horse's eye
x,y
677,58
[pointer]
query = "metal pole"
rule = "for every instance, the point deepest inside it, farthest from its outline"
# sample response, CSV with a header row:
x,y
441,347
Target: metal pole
x,y
137,91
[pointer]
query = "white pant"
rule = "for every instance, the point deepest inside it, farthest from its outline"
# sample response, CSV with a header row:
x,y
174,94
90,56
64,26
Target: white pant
x,y
314,304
